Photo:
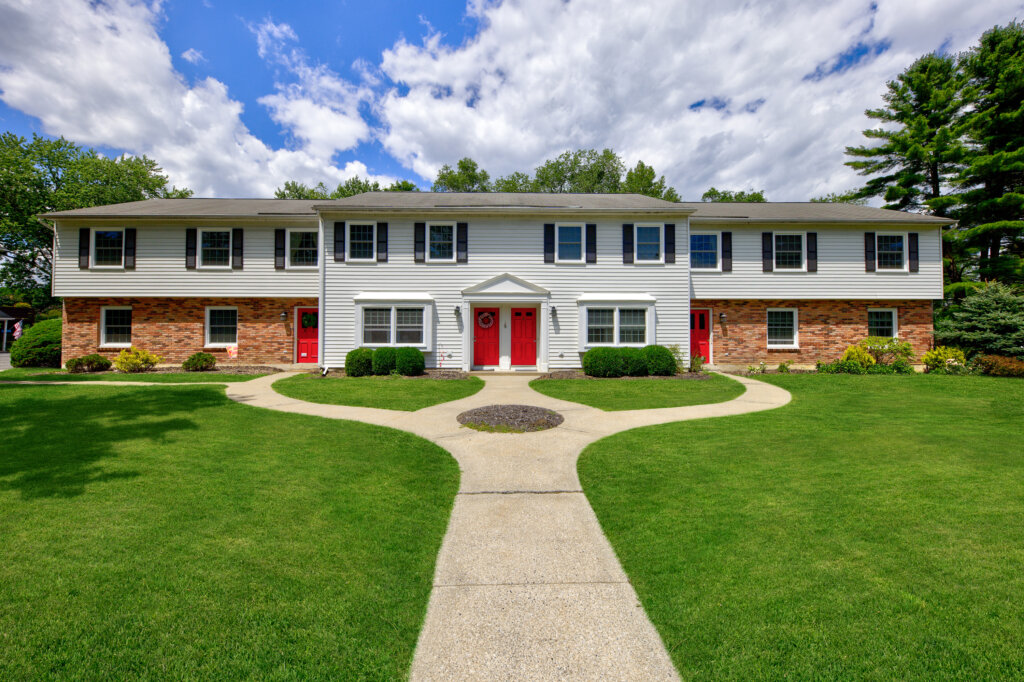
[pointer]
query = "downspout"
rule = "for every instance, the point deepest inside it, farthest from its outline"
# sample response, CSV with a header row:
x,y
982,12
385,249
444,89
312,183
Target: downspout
x,y
321,337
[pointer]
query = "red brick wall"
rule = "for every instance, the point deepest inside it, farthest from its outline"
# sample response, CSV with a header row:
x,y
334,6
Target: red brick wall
x,y
826,328
174,328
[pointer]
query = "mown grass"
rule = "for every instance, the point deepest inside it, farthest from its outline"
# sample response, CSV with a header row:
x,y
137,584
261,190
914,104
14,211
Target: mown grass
x,y
45,374
389,392
640,394
171,533
871,529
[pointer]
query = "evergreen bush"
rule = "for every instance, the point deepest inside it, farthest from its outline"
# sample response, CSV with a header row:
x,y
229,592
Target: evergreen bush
x,y
39,346
199,362
603,362
660,360
634,362
88,363
359,362
409,362
989,321
384,361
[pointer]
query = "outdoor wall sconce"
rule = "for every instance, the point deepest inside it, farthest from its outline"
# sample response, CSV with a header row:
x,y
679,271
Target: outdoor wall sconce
x,y
458,311
554,311
284,316
721,317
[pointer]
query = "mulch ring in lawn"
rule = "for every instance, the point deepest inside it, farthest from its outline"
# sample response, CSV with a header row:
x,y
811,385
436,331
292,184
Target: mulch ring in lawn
x,y
510,418
577,374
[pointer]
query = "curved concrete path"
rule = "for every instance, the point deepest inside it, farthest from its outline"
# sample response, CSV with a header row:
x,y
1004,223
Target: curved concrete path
x,y
526,584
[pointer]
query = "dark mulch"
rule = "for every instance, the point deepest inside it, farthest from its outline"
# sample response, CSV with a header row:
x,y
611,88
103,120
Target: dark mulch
x,y
578,374
441,374
227,369
744,373
510,418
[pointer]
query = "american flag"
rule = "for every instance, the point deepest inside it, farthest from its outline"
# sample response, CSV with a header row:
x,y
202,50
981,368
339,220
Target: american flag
x,y
17,330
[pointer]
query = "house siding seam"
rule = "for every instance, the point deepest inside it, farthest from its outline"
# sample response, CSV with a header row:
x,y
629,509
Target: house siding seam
x,y
174,328
826,329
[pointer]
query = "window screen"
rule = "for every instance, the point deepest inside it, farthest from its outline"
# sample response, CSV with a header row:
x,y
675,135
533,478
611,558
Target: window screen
x,y
890,251
216,249
570,242
789,251
223,327
632,325
409,325
361,245
781,329
117,327
600,325
648,243
377,325
442,242
109,247
303,249
704,251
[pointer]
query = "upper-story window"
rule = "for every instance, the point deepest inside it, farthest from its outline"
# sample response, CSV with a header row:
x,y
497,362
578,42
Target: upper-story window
x,y
705,251
789,251
108,248
215,248
362,241
890,250
569,244
441,243
302,249
647,243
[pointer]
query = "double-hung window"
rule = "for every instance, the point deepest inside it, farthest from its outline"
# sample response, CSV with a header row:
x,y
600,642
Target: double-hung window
x,y
570,244
302,249
882,322
890,250
441,246
116,326
782,328
362,241
647,241
108,248
215,248
705,251
616,326
394,325
789,251
221,327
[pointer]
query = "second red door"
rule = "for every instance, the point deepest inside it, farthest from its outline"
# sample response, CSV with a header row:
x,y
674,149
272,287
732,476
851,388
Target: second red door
x,y
486,335
524,336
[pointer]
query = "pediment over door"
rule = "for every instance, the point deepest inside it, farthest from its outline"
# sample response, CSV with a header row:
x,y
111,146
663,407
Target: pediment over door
x,y
506,285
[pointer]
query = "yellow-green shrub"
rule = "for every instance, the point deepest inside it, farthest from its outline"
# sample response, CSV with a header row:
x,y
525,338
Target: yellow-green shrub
x,y
942,357
860,355
131,360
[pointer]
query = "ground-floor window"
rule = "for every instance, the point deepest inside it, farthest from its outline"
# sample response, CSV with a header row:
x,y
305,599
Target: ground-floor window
x,y
116,326
616,325
221,326
782,328
882,322
394,325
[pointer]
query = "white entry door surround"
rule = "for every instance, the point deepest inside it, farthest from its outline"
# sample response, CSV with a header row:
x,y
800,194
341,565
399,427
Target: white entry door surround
x,y
505,292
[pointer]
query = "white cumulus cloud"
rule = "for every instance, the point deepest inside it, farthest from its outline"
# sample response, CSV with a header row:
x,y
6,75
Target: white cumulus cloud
x,y
193,56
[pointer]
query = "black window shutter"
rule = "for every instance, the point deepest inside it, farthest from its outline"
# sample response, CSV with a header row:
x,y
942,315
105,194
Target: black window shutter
x,y
190,248
869,252
627,243
462,243
767,252
83,247
339,242
549,242
591,243
129,248
237,257
279,248
913,261
419,239
670,243
812,252
727,252
382,242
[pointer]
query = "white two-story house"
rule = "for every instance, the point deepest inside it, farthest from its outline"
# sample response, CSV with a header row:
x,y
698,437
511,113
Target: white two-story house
x,y
491,280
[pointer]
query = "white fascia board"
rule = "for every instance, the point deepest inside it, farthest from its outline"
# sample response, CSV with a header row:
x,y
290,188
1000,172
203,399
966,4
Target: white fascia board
x,y
390,296
617,298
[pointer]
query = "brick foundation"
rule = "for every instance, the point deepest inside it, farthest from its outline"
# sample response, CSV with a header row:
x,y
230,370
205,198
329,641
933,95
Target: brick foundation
x,y
826,328
174,328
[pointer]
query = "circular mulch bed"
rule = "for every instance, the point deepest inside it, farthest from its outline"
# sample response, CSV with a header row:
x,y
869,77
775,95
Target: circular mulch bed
x,y
510,418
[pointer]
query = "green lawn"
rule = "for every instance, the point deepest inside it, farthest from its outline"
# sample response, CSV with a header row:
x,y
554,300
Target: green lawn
x,y
871,529
171,533
44,374
390,392
640,394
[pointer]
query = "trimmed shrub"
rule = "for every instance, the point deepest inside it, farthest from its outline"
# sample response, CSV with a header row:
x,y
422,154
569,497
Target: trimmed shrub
x,y
384,361
660,360
88,363
634,363
603,362
133,360
39,346
944,358
859,355
199,362
842,367
1000,365
359,362
886,350
409,362
879,368
902,367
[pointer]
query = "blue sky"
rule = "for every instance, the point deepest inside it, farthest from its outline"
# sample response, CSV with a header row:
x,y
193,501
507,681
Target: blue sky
x,y
235,98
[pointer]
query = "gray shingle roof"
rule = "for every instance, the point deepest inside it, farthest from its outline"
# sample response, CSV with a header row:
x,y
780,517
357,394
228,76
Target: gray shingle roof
x,y
498,200
186,208
791,211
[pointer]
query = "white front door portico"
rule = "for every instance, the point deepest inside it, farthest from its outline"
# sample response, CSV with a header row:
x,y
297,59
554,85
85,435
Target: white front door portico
x,y
496,303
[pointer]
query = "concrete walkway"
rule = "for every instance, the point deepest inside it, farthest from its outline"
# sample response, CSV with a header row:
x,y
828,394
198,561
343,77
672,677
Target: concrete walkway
x,y
526,585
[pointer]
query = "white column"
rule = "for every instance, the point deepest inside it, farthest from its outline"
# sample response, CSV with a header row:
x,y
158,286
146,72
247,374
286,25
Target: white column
x,y
544,324
467,335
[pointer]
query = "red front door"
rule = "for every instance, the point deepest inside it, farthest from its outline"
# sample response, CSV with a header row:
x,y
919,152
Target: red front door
x,y
524,336
307,342
700,334
486,330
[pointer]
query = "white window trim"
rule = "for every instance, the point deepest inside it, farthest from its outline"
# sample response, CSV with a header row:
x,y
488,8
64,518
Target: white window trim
x,y
649,333
895,319
103,326
718,250
796,328
583,244
455,242
428,327
288,248
906,265
348,241
803,254
199,248
92,248
661,244
206,327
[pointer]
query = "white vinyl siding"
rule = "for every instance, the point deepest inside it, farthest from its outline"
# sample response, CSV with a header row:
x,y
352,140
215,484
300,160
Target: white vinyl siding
x,y
221,326
116,326
783,328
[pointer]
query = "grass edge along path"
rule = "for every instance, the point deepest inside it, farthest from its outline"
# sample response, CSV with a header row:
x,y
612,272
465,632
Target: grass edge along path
x,y
640,394
389,392
49,374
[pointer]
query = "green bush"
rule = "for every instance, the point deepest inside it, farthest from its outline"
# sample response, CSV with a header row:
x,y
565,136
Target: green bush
x,y
88,363
902,367
989,321
133,360
634,362
1000,365
199,362
879,368
660,360
784,366
409,362
697,363
603,362
944,358
39,346
887,350
359,362
384,361
841,367
859,355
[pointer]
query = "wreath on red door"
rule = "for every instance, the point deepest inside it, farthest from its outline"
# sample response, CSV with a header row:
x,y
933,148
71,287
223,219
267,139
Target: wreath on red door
x,y
485,320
